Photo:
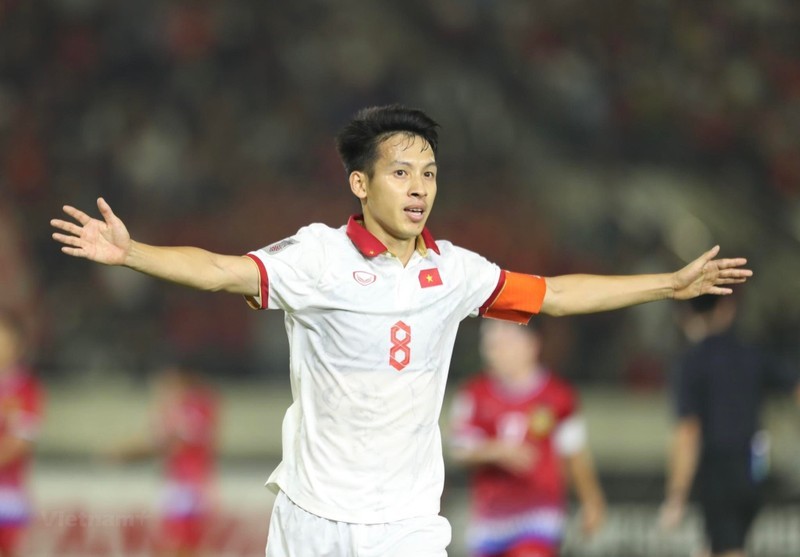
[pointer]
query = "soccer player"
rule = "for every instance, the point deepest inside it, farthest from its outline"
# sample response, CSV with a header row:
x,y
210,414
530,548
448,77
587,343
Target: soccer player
x,y
21,397
518,427
717,441
372,309
184,428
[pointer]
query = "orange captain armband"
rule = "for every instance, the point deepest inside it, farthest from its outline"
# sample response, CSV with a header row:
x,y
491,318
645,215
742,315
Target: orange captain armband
x,y
517,297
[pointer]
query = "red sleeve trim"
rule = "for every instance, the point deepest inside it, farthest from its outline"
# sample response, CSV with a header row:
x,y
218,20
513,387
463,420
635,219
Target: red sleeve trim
x,y
497,289
263,299
520,297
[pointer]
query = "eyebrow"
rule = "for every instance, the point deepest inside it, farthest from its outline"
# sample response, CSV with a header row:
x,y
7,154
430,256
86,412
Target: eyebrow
x,y
406,163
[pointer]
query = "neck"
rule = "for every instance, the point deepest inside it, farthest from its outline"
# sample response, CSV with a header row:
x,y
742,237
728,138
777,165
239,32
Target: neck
x,y
401,248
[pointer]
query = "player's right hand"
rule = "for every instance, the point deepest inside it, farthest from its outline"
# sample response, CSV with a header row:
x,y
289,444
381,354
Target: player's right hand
x,y
515,458
105,241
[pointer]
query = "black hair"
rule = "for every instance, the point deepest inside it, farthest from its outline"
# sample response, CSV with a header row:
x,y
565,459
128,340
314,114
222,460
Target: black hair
x,y
358,141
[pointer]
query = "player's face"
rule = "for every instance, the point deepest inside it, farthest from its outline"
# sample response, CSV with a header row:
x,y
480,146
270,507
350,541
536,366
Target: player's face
x,y
509,350
398,197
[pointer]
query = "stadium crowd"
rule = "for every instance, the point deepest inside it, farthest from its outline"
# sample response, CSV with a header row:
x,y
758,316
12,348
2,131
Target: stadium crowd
x,y
211,123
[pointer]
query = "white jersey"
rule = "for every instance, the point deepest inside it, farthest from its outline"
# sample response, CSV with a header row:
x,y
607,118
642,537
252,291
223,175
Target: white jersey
x,y
370,344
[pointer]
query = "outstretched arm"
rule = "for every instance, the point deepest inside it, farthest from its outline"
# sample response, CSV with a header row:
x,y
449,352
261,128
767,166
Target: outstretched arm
x,y
107,241
570,294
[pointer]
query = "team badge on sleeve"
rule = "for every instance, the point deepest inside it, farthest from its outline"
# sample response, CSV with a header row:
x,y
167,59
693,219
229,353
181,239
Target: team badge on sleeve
x,y
429,277
279,246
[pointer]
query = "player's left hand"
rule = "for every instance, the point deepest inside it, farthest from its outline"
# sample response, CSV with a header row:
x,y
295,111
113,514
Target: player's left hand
x,y
706,275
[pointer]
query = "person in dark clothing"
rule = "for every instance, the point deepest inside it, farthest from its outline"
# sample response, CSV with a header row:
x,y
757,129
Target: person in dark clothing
x,y
721,383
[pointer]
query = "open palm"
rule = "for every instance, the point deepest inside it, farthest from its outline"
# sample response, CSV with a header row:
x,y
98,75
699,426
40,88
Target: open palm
x,y
105,241
706,275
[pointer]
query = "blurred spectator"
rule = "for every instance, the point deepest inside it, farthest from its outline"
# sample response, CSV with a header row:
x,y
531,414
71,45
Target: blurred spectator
x,y
718,442
170,109
518,426
21,402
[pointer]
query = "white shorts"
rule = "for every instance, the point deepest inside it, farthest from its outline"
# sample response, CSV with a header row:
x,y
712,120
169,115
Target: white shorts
x,y
294,532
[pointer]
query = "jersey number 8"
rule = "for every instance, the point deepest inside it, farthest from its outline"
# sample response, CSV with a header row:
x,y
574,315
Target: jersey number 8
x,y
400,351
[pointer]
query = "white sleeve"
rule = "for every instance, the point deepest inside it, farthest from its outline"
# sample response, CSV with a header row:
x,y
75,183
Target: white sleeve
x,y
289,270
480,277
570,436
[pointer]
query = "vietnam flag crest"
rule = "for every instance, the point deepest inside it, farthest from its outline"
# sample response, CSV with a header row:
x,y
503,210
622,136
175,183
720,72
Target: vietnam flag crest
x,y
429,277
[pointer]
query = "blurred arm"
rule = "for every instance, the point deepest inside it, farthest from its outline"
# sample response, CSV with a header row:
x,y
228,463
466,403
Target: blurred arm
x,y
513,457
107,241
682,464
571,294
12,448
584,479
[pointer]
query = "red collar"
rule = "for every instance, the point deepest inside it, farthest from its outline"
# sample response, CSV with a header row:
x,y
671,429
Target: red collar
x,y
370,246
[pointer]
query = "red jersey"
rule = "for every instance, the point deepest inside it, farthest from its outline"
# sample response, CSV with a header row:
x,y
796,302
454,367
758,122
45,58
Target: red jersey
x,y
489,411
508,507
20,416
188,427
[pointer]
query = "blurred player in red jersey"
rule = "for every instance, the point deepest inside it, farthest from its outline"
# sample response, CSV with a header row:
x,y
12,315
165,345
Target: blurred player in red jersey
x,y
184,434
517,425
20,417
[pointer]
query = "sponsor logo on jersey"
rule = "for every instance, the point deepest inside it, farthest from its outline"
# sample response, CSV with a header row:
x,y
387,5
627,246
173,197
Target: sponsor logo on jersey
x,y
364,278
279,246
429,277
542,421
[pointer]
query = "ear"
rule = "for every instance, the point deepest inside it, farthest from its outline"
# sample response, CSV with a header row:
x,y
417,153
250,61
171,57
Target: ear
x,y
358,184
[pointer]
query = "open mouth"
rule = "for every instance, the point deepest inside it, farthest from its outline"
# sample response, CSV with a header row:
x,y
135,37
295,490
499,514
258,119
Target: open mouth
x,y
415,214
